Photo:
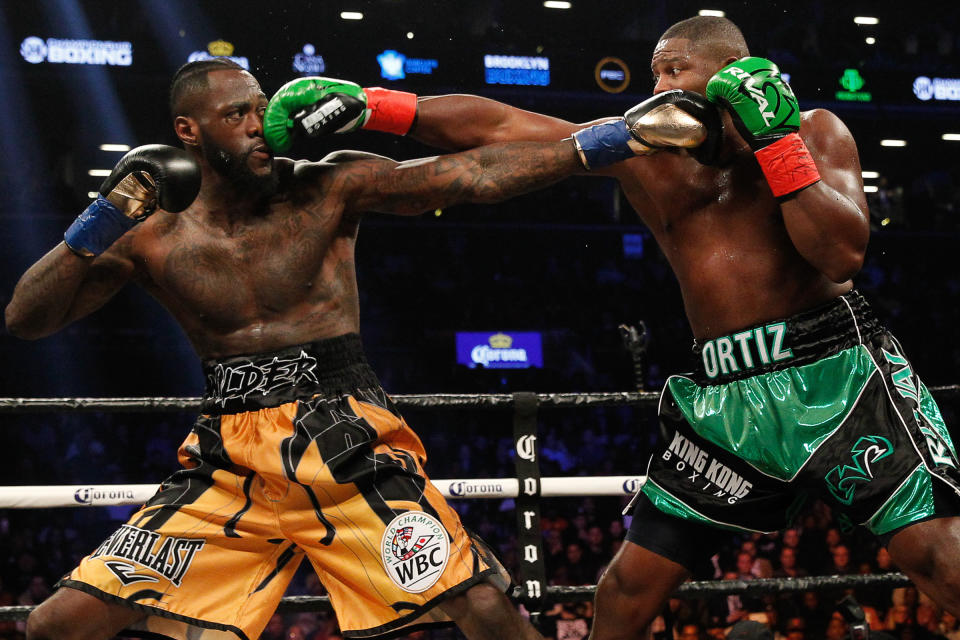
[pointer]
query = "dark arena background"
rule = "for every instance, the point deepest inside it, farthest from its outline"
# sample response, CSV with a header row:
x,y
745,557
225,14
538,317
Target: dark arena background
x,y
562,268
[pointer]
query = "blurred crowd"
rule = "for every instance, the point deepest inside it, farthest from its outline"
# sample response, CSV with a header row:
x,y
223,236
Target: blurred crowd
x,y
579,539
576,285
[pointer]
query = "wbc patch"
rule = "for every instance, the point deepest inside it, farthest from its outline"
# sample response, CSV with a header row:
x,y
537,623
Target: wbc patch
x,y
415,550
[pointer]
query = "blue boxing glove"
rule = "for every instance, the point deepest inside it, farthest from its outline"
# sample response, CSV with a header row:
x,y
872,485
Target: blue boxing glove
x,y
144,178
672,119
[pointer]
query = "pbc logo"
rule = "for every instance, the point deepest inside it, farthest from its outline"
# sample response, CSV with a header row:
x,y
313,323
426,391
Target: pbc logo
x,y
631,485
414,550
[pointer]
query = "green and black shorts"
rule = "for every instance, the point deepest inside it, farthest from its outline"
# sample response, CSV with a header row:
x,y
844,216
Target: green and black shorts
x,y
822,404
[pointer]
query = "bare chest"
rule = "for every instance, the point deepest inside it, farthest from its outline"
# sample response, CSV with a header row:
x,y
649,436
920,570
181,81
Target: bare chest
x,y
229,275
674,193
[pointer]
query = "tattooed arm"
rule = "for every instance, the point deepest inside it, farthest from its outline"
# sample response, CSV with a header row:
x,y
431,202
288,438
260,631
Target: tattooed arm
x,y
62,287
485,174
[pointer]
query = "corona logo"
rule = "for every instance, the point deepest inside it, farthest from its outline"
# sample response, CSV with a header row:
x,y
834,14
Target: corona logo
x,y
500,341
220,48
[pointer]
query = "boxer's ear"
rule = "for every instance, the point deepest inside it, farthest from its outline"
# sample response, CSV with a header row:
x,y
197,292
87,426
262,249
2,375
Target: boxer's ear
x,y
187,130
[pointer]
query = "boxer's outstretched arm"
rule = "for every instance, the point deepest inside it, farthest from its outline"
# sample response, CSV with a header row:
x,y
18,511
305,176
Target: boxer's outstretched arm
x,y
458,122
62,287
487,174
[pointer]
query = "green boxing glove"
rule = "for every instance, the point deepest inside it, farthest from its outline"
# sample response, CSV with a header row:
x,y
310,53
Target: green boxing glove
x,y
767,115
317,106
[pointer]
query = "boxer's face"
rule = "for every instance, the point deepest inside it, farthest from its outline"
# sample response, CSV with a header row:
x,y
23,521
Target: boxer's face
x,y
231,127
677,65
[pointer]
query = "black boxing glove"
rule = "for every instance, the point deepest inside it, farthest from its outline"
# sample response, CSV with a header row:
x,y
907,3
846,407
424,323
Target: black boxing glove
x,y
148,176
678,118
672,119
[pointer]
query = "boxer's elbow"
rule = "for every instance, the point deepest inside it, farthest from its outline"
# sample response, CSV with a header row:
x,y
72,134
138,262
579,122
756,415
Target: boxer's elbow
x,y
844,264
21,325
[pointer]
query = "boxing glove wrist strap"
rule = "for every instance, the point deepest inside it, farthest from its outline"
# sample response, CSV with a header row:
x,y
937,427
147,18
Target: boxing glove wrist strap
x,y
390,111
98,227
604,144
787,165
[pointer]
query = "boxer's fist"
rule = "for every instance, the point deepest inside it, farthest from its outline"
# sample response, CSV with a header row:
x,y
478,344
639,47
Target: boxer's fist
x,y
762,105
152,175
672,119
677,118
314,107
145,178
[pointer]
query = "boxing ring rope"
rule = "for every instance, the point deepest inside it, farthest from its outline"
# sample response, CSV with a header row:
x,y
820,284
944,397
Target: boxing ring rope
x,y
424,401
527,488
108,495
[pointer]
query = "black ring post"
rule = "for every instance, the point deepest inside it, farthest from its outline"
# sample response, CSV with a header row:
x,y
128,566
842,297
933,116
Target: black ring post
x,y
532,574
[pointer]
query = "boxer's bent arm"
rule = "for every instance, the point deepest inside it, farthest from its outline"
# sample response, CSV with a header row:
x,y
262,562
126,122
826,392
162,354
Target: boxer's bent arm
x,y
828,222
63,287
483,175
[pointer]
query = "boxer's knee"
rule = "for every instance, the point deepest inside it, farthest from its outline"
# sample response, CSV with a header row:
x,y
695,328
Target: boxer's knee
x,y
482,601
74,615
44,623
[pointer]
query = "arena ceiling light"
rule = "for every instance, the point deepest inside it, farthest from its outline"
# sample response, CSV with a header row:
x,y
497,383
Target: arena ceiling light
x,y
870,40
557,4
893,143
114,147
870,188
99,173
866,20
351,15
714,13
869,175
951,137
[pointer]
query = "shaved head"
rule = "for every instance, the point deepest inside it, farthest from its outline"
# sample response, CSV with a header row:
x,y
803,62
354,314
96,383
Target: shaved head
x,y
711,37
190,81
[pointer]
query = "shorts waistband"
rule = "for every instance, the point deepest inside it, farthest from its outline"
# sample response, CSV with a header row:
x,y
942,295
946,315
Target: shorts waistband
x,y
789,342
256,381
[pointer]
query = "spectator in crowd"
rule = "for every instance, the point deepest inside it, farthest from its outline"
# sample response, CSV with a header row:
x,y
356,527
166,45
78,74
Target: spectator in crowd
x,y
841,561
788,564
690,632
795,629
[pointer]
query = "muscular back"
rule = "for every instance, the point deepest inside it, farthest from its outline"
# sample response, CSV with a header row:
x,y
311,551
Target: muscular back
x,y
282,276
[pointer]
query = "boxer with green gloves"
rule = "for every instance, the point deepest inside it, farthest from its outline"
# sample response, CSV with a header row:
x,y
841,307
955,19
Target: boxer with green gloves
x,y
767,115
765,237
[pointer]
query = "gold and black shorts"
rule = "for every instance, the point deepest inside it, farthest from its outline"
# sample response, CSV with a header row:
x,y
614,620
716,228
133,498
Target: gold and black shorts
x,y
297,453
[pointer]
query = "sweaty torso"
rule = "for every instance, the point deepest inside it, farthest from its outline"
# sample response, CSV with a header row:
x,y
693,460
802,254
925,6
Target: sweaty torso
x,y
284,275
723,233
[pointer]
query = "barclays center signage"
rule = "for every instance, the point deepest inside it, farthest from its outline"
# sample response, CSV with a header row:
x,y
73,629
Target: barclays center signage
x,y
37,50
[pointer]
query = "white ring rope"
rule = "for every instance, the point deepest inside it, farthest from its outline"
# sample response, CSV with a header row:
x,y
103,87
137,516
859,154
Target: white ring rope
x,y
104,495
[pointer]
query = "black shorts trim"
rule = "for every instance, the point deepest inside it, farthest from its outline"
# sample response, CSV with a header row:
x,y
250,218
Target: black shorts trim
x,y
402,625
148,610
946,503
685,542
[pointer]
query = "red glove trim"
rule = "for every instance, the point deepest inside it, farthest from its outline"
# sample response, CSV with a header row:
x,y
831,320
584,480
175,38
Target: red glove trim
x,y
787,165
389,110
